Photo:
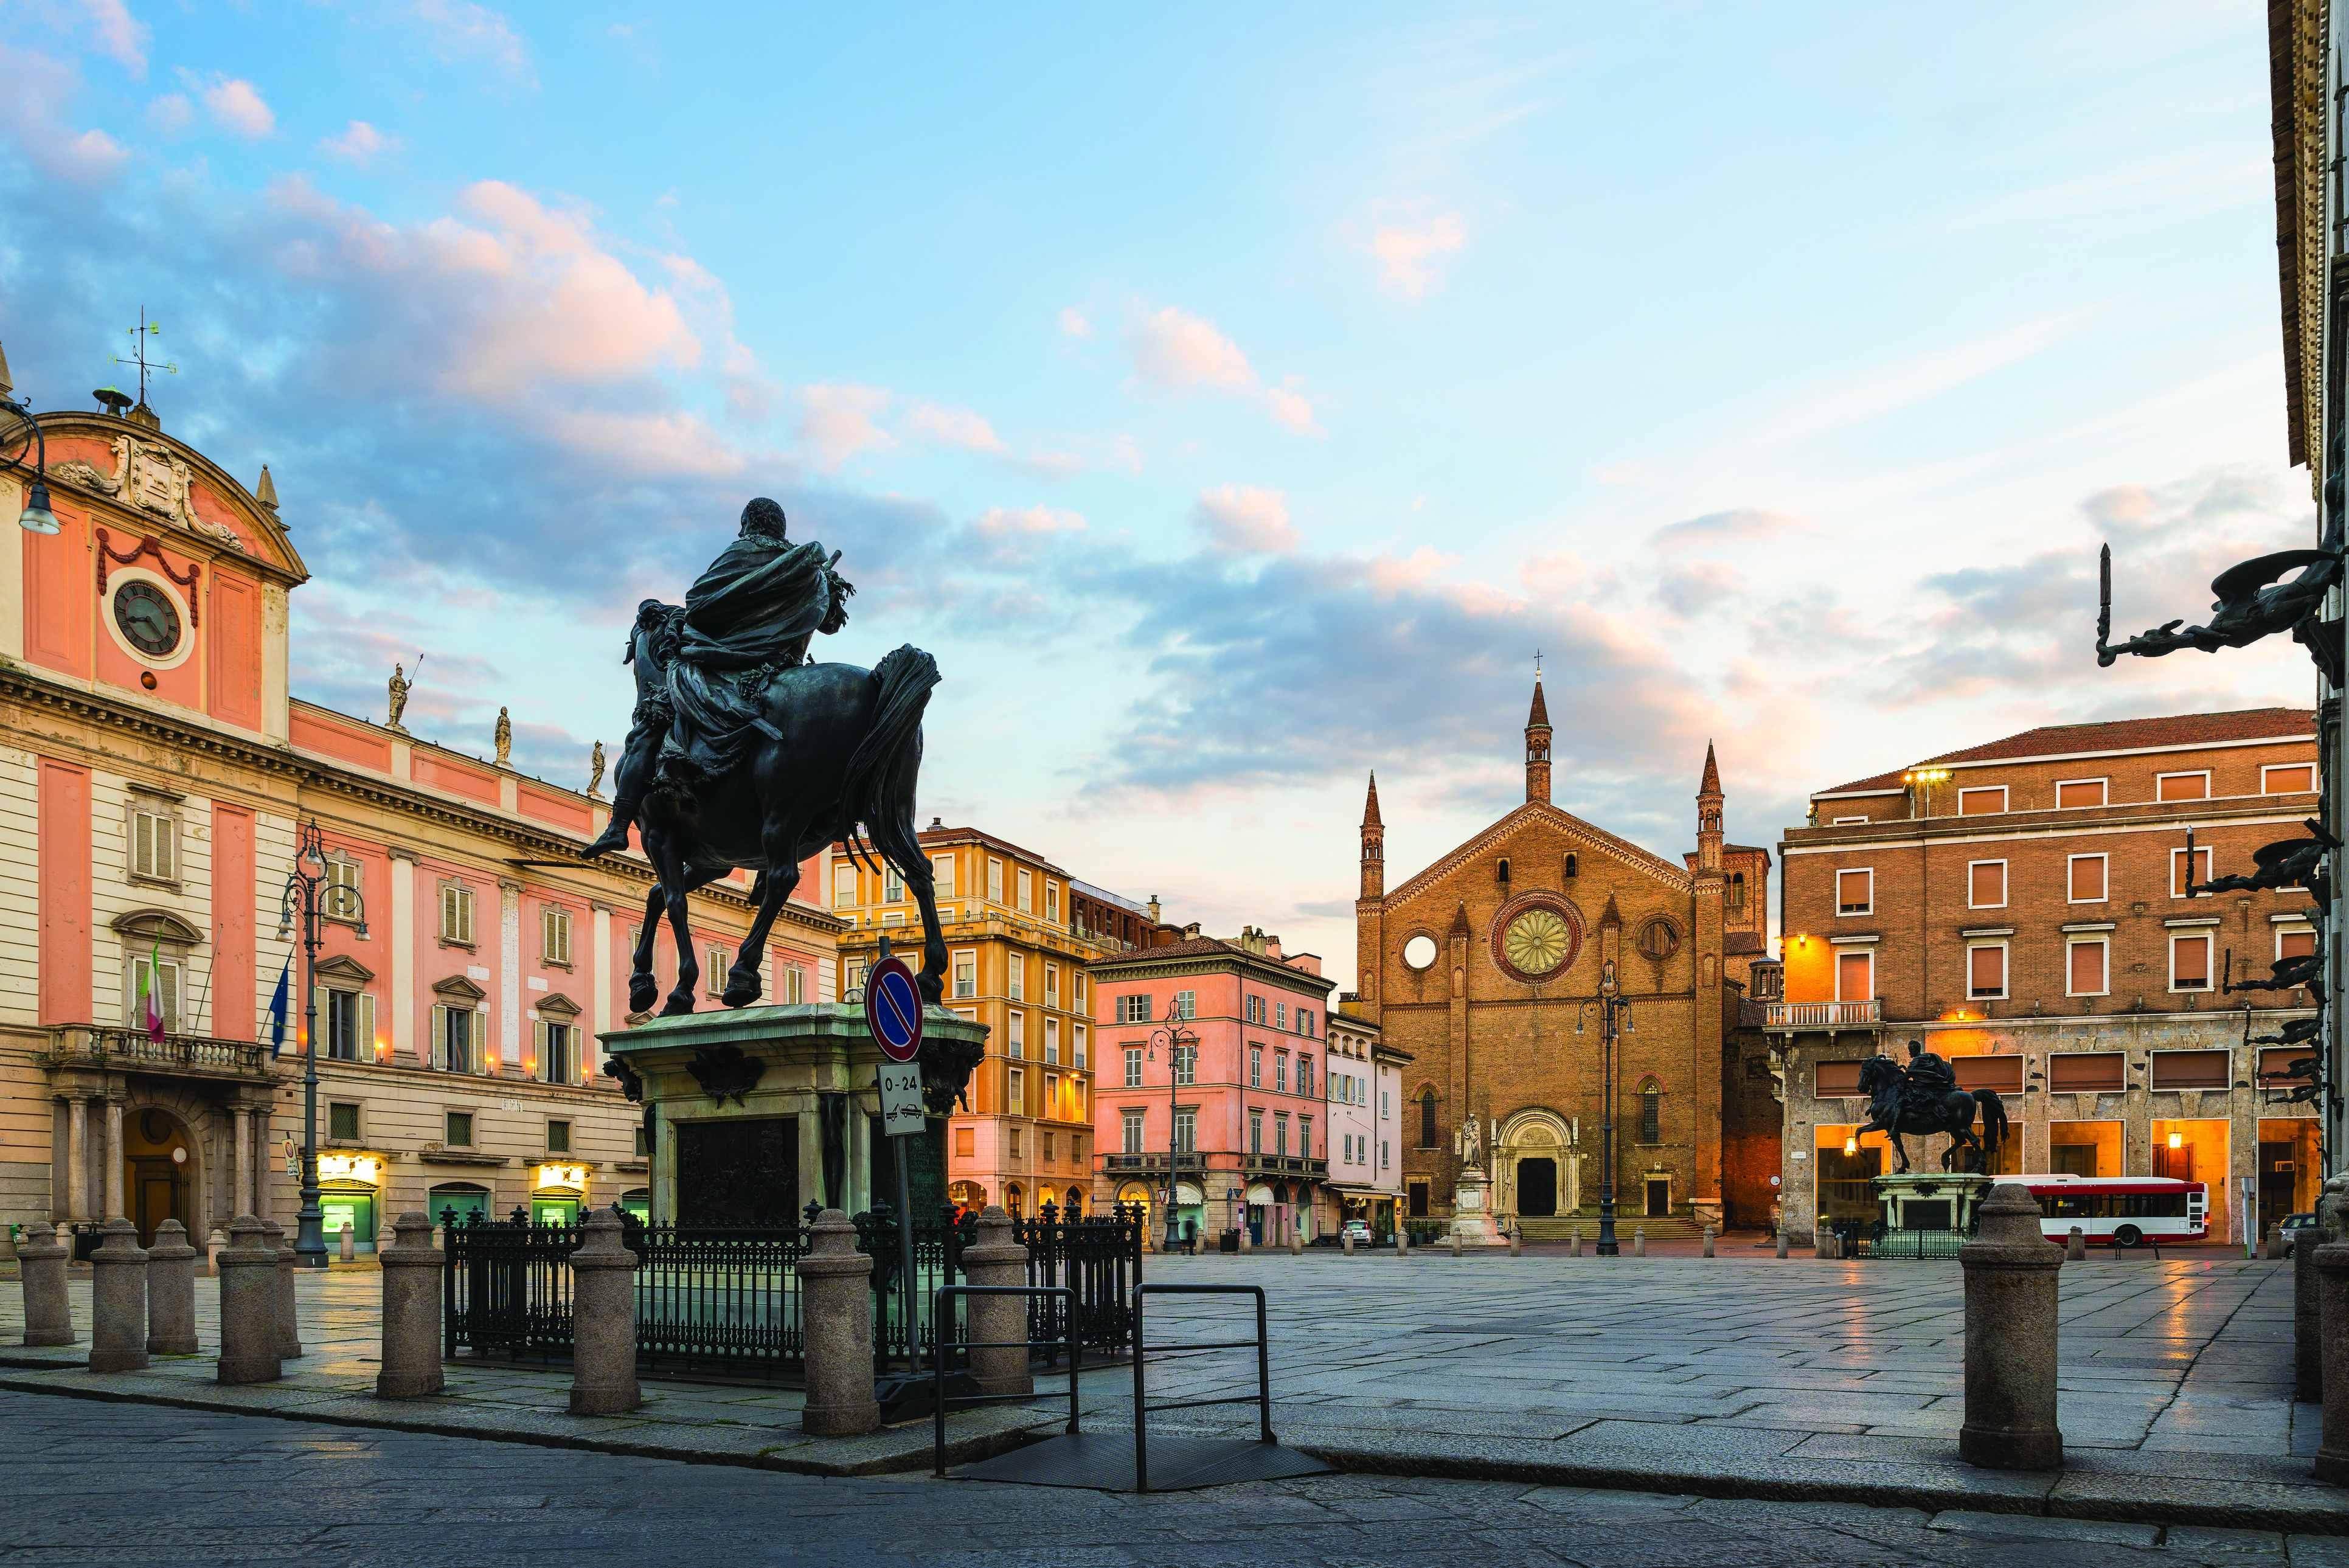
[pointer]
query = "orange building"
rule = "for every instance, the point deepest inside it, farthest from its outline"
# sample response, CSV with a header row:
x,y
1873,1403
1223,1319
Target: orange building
x,y
2022,908
1019,931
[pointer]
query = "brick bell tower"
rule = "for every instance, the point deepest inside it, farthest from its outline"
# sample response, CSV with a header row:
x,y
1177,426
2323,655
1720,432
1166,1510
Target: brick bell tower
x,y
1538,748
1708,814
1375,845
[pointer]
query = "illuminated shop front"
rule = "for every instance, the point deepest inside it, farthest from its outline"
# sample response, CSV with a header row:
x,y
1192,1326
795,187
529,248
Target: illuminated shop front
x,y
350,1193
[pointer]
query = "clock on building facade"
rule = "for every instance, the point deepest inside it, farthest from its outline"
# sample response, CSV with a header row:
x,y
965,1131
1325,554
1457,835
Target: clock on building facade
x,y
148,619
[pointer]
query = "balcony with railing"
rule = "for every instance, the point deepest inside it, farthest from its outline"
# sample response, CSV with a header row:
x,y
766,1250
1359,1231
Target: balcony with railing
x,y
1794,1017
1186,1160
134,1050
1284,1165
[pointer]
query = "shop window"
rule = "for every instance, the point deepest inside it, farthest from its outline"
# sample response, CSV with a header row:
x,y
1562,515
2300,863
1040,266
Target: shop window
x,y
458,1202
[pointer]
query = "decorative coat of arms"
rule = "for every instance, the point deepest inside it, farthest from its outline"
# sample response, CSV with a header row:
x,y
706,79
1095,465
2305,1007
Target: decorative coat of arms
x,y
152,479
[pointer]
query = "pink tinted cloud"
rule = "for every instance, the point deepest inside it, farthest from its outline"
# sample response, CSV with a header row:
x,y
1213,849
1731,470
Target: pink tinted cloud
x,y
1408,254
950,426
33,115
1175,351
1246,520
837,421
118,35
359,143
235,105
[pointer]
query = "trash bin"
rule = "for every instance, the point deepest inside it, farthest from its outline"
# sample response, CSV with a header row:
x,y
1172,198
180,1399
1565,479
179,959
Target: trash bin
x,y
1229,1243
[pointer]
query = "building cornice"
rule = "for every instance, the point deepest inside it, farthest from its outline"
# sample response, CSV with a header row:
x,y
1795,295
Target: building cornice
x,y
2078,823
1139,965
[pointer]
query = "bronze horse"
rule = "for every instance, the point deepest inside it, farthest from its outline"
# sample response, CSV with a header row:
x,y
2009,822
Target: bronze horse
x,y
837,760
1952,1113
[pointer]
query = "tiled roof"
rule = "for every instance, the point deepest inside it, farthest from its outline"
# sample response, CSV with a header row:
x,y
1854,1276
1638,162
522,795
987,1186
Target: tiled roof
x,y
1210,947
2116,735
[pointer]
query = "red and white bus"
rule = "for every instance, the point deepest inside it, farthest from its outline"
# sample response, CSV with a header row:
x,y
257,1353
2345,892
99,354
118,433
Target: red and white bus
x,y
2122,1211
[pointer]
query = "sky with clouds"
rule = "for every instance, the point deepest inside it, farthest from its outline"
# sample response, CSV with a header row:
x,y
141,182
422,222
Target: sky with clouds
x,y
1234,400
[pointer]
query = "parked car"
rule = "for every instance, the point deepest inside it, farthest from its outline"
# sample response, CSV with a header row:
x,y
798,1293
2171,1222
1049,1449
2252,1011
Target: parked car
x,y
2293,1227
1359,1232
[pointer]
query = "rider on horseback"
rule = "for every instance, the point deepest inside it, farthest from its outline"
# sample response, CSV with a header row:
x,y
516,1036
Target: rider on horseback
x,y
1927,1079
751,614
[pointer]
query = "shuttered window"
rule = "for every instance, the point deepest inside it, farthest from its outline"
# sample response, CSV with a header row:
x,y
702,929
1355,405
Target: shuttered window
x,y
2178,871
154,844
1855,976
2189,1070
2086,963
2182,787
2082,1072
2087,879
554,935
2189,962
2002,1075
1833,1078
1986,884
558,1052
2295,944
2076,793
2292,778
457,914
456,1035
347,1020
1986,971
163,981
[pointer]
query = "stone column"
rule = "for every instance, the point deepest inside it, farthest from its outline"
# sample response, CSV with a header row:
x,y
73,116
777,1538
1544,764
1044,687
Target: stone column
x,y
998,1260
243,1195
289,1328
112,1159
836,1307
2076,1246
77,1158
248,1304
118,1300
602,1320
2011,1277
1708,1242
411,1311
171,1291
41,1265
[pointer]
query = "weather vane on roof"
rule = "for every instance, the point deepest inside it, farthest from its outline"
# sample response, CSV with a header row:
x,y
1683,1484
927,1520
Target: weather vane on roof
x,y
139,335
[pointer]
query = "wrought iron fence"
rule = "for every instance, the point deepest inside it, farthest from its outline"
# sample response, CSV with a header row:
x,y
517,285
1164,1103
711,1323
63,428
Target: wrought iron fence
x,y
724,1301
1915,1244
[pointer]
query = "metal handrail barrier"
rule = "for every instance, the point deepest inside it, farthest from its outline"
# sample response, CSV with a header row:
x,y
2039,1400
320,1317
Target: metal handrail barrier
x,y
939,1398
1142,1347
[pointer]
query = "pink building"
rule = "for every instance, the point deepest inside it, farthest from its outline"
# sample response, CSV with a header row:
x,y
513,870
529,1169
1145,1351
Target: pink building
x,y
1213,1050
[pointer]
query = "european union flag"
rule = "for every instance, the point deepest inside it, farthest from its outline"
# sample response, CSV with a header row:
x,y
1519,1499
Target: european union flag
x,y
277,1005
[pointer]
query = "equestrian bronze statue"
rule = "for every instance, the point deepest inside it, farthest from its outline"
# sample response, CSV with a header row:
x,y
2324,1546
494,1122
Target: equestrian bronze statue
x,y
742,754
1925,1099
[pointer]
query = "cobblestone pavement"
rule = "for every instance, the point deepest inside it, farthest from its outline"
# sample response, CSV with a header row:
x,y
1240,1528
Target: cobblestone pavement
x,y
108,1483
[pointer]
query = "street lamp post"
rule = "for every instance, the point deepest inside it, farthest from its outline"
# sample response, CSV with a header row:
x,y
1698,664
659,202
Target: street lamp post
x,y
36,517
300,900
1613,1012
1176,1039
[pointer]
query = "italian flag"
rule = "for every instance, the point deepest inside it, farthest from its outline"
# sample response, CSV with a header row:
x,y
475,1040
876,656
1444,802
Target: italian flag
x,y
147,991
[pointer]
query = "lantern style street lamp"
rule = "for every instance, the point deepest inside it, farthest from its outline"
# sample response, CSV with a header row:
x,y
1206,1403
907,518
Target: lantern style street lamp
x,y
36,517
1177,1040
301,901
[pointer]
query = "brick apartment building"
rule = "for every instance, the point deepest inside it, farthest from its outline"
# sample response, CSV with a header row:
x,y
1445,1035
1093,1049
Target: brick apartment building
x,y
2021,907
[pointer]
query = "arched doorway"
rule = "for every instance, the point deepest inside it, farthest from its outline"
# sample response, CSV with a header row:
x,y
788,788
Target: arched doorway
x,y
1533,1166
1259,1211
158,1172
1072,1203
1013,1198
968,1196
1135,1195
458,1204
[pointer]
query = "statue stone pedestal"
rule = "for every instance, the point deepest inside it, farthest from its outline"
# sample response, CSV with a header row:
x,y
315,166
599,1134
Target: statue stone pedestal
x,y
1930,1201
756,1112
1472,1209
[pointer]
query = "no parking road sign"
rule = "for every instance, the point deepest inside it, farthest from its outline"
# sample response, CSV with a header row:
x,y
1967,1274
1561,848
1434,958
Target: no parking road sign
x,y
893,1009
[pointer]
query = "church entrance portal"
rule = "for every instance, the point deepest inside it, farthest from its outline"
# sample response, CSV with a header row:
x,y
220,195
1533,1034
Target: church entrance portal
x,y
1536,1188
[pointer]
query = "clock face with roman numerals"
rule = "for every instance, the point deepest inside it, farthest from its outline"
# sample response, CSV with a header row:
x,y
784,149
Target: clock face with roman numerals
x,y
149,620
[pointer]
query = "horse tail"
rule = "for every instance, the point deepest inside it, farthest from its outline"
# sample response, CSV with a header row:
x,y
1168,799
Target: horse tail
x,y
1993,1115
878,782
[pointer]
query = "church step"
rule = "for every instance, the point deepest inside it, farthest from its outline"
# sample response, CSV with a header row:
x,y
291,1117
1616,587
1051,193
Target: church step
x,y
1658,1230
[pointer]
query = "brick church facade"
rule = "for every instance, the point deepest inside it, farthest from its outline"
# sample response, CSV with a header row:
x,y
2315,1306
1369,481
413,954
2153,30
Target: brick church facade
x,y
1487,967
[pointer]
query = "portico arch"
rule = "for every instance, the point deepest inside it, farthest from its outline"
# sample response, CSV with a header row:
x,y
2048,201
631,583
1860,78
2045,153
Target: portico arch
x,y
1533,1166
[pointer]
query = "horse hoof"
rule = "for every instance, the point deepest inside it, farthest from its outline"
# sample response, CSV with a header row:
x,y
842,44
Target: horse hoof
x,y
676,1005
643,992
740,991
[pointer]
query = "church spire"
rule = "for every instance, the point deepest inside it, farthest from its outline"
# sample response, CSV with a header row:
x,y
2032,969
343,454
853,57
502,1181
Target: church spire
x,y
1708,814
1375,845
1538,746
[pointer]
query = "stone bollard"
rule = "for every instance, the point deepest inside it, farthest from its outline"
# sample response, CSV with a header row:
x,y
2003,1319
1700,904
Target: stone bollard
x,y
1517,1244
1574,1243
1246,1245
2272,1245
289,1325
1823,1240
1346,1242
350,1242
1402,1240
1296,1244
1708,1242
1782,1241
2308,1347
2010,1274
2076,1246
2331,1265
41,1265
118,1300
997,1258
604,1320
171,1291
411,1311
836,1307
248,1304
1455,1243
214,1245
1639,1241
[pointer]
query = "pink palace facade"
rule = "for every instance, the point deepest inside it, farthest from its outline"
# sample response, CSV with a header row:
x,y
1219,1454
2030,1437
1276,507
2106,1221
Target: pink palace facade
x,y
154,771
1212,1052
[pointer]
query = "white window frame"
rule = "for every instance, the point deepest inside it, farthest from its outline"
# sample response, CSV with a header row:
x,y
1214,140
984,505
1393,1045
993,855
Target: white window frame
x,y
2209,870
343,875
2070,861
1843,871
2161,779
1015,976
1866,953
157,819
965,968
2106,947
2104,793
942,876
2003,891
2209,940
172,981
1077,1037
1847,821
554,935
2005,970
2267,768
1133,1129
1051,984
843,885
2291,930
1997,789
994,881
1024,888
1133,1066
1015,1034
893,883
1051,1040
1015,1094
1077,989
1051,901
459,931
